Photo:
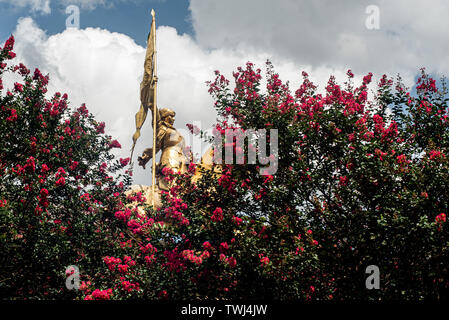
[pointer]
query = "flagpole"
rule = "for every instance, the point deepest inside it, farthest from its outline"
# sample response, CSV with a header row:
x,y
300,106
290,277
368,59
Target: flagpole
x,y
154,109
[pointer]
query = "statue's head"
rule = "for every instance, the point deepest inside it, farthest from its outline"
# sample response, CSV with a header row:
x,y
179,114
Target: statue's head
x,y
167,115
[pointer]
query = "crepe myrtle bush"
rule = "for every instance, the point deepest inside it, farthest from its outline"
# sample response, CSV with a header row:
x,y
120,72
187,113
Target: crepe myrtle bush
x,y
359,182
57,190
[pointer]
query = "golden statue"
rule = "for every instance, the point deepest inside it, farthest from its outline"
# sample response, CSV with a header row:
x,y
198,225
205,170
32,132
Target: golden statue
x,y
165,137
172,145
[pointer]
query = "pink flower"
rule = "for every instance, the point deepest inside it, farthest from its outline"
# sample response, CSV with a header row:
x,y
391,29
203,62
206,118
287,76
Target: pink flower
x,y
100,127
13,116
224,246
237,220
150,259
73,165
101,294
231,262
124,162
265,261
401,159
61,171
367,78
207,245
350,74
122,268
129,261
9,44
115,144
18,87
440,218
435,154
44,192
217,215
60,181
31,165
344,181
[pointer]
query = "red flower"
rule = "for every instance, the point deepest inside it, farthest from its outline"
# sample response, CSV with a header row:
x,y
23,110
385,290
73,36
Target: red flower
x,y
44,193
217,215
350,74
237,220
100,127
31,165
163,294
101,294
13,116
60,181
207,245
124,162
435,154
224,246
18,87
265,261
440,218
401,159
344,181
45,168
150,259
115,144
73,165
231,262
122,268
61,171
9,44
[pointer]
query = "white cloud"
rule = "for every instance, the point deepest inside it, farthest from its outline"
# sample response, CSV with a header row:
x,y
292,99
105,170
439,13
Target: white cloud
x,y
330,32
39,6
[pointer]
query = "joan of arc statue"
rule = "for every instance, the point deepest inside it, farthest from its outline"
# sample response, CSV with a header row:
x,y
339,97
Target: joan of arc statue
x,y
172,145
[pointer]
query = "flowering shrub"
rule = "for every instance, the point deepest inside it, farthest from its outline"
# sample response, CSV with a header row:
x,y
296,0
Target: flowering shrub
x,y
368,177
57,199
359,182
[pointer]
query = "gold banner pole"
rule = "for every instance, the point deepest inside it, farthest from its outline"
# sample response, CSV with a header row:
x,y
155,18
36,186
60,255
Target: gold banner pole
x,y
154,110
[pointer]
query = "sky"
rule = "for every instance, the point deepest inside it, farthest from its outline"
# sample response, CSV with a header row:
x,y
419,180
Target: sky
x,y
100,62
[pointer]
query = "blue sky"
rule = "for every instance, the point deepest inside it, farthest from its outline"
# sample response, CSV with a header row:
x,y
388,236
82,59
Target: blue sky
x,y
101,63
130,17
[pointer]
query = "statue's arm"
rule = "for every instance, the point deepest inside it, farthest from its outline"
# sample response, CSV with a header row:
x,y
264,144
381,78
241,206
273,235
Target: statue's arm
x,y
147,154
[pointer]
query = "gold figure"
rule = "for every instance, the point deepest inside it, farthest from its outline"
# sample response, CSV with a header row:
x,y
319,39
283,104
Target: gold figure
x,y
165,137
172,145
